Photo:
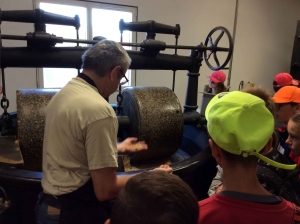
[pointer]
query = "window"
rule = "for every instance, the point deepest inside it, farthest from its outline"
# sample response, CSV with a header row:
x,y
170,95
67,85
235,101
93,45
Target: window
x,y
96,19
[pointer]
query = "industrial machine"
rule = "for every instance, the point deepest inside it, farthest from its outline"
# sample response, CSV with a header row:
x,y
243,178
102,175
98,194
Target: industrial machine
x,y
152,114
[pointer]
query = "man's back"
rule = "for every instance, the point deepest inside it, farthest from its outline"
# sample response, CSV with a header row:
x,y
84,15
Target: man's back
x,y
70,150
222,209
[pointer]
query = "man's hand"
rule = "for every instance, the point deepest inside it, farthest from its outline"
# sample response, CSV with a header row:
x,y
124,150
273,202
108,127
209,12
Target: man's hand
x,y
165,168
130,145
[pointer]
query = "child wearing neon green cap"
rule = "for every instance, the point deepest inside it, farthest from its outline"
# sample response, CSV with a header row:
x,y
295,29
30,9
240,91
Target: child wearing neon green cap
x,y
240,127
281,182
216,184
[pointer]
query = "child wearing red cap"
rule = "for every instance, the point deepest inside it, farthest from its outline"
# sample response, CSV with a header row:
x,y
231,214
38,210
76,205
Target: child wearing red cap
x,y
216,82
284,79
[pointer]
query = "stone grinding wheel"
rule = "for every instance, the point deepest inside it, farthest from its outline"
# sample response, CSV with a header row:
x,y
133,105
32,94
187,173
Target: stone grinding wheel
x,y
155,117
31,105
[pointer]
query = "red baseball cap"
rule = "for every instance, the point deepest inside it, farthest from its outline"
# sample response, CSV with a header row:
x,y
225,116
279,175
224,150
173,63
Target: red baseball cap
x,y
287,94
285,79
217,76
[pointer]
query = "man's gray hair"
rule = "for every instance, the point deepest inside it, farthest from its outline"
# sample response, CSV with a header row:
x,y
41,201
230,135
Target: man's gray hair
x,y
104,56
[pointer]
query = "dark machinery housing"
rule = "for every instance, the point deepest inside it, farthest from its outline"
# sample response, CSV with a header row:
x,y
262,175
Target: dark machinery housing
x,y
21,185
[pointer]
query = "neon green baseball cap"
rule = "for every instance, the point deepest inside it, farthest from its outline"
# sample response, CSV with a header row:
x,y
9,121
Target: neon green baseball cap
x,y
241,124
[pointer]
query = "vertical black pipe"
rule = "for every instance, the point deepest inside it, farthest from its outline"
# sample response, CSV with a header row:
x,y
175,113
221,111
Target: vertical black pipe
x,y
3,83
39,25
192,85
174,72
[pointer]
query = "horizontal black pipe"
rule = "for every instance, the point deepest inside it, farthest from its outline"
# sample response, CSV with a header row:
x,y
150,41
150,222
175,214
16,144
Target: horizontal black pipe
x,y
143,44
149,26
190,118
70,57
124,122
38,16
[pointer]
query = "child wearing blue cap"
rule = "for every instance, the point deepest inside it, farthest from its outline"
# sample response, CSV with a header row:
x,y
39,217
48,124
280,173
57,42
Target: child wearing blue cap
x,y
241,127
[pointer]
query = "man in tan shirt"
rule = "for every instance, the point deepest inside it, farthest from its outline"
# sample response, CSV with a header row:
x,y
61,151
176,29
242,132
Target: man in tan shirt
x,y
80,142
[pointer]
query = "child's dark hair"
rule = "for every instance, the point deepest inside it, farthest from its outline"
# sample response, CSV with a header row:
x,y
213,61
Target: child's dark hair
x,y
155,197
296,119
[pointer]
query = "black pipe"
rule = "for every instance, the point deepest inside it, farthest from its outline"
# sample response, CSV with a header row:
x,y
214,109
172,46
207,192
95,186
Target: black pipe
x,y
143,44
37,58
149,27
70,57
124,122
189,118
192,118
192,86
38,16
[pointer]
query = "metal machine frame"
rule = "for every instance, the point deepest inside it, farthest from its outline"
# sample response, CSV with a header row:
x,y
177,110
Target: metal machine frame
x,y
41,52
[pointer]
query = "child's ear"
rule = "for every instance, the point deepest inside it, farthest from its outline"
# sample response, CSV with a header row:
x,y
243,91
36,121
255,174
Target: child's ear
x,y
216,151
297,108
107,221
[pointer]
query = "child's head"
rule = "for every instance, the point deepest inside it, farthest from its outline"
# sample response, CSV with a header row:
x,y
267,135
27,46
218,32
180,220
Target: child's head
x,y
216,81
217,77
155,197
293,128
287,101
283,79
264,95
241,125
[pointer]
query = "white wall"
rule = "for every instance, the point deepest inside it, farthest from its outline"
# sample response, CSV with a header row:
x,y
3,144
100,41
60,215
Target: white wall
x,y
263,44
264,40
